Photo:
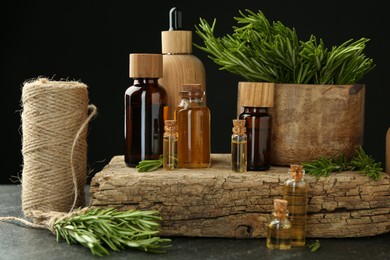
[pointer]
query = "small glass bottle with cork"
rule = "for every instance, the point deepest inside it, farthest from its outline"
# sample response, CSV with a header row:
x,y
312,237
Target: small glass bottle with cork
x,y
193,124
279,227
295,192
239,146
170,145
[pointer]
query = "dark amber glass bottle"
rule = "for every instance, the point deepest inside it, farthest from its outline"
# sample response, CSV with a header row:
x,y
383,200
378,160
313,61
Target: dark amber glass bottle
x,y
145,110
256,98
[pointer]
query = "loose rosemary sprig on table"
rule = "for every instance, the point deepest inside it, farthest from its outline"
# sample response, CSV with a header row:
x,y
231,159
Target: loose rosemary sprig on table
x,y
149,165
100,228
360,162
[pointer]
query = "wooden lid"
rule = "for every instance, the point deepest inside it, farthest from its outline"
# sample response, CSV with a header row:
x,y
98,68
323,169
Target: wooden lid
x,y
146,65
256,94
176,42
239,126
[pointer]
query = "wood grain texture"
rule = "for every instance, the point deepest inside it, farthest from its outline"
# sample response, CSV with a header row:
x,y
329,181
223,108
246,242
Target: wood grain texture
x,y
181,69
215,202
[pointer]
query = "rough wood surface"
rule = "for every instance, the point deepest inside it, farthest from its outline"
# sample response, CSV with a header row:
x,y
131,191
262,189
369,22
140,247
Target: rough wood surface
x,y
215,202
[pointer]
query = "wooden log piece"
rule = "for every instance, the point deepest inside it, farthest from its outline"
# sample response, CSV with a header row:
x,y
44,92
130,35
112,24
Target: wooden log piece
x,y
215,202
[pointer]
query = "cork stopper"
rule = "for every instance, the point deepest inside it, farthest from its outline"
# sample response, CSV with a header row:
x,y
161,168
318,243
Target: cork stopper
x,y
280,208
256,94
239,126
194,89
176,42
296,172
170,127
146,65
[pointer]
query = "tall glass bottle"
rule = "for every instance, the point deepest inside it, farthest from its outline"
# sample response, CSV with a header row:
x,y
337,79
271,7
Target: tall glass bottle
x,y
145,109
279,227
295,192
193,123
239,146
170,145
256,98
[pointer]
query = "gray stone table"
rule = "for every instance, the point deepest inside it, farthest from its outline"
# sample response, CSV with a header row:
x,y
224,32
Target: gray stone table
x,y
20,242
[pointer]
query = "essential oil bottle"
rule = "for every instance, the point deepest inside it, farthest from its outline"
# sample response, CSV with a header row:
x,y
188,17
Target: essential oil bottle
x,y
295,192
145,109
256,98
279,227
239,146
170,145
193,124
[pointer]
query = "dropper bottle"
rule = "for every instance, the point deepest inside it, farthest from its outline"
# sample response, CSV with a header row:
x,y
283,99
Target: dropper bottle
x,y
180,66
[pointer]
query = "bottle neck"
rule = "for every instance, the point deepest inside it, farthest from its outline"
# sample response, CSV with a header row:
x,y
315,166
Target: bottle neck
x,y
145,81
255,110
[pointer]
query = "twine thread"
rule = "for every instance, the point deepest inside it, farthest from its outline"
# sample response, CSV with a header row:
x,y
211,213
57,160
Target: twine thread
x,y
55,117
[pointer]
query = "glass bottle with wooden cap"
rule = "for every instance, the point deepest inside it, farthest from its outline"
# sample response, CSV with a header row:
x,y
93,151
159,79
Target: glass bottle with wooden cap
x,y
193,124
145,109
295,192
256,98
170,145
279,227
239,146
180,65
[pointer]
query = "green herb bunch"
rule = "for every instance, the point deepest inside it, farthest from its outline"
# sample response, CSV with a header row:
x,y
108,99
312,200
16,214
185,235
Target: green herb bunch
x,y
360,162
262,51
100,228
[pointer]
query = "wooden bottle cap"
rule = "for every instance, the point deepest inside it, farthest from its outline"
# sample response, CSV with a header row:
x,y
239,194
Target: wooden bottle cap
x,y
256,94
146,65
176,42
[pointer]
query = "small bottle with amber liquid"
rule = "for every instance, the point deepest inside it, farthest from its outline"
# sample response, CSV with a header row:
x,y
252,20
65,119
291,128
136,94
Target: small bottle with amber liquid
x,y
193,124
239,146
279,227
170,145
295,192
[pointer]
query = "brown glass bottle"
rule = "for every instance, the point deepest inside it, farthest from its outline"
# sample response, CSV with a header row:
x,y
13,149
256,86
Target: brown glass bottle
x,y
145,110
256,98
193,123
258,125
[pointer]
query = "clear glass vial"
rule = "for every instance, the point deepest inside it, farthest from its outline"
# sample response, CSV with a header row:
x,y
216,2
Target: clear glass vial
x,y
239,146
193,124
279,227
170,145
295,192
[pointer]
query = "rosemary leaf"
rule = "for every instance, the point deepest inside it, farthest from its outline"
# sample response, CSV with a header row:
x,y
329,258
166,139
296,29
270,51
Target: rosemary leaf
x,y
149,165
361,162
102,229
259,50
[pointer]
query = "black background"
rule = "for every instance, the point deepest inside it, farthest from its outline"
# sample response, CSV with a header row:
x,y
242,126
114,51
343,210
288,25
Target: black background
x,y
91,42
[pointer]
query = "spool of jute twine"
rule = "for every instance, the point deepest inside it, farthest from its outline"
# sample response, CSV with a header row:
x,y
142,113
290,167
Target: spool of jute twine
x,y
55,117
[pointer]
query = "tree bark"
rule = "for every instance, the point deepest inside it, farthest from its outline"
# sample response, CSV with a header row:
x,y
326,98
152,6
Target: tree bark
x,y
215,202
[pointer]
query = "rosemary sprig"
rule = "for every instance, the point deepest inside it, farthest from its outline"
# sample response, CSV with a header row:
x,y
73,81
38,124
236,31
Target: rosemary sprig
x,y
100,228
149,165
315,246
360,162
259,50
